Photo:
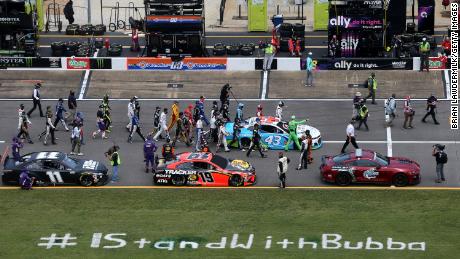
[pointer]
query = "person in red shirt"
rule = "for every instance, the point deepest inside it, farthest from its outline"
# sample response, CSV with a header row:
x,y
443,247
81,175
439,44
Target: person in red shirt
x,y
446,46
445,3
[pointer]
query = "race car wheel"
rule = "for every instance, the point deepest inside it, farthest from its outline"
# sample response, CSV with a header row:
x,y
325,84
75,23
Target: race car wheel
x,y
235,181
400,180
86,180
343,179
178,180
245,143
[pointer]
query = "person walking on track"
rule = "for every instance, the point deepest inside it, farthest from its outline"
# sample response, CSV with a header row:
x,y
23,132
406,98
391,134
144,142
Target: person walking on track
x,y
36,100
282,169
350,137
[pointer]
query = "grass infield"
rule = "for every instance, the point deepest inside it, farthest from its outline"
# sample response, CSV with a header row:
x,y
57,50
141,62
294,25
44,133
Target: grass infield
x,y
205,216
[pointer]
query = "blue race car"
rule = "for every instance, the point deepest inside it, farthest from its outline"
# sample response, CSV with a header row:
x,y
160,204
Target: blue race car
x,y
273,131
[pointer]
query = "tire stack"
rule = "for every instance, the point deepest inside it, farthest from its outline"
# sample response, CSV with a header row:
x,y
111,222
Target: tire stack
x,y
233,49
71,48
72,29
58,48
286,32
219,50
299,34
84,50
247,49
86,29
99,29
114,50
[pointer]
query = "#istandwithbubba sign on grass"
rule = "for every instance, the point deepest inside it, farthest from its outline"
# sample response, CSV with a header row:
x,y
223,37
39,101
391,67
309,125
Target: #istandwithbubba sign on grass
x,y
235,241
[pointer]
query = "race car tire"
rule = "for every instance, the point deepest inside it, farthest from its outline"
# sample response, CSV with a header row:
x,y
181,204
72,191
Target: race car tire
x,y
178,180
86,180
400,180
235,181
285,27
233,49
245,143
246,51
343,179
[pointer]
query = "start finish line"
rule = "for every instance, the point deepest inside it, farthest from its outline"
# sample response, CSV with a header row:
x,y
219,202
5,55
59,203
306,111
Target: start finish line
x,y
235,241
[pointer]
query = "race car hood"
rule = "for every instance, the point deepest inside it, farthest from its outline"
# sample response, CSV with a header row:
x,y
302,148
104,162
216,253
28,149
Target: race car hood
x,y
314,132
239,165
405,163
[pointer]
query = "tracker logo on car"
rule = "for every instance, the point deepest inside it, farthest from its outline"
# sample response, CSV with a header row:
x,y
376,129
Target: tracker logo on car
x,y
180,172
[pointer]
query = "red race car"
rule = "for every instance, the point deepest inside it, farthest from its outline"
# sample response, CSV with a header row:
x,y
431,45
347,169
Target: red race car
x,y
366,166
205,169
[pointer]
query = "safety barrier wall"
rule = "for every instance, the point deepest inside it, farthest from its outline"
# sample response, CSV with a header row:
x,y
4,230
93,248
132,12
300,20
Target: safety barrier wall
x,y
215,63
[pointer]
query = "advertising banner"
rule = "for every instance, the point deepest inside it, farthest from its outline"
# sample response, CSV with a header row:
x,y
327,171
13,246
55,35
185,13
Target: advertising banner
x,y
78,63
359,22
362,64
438,63
184,64
30,62
100,63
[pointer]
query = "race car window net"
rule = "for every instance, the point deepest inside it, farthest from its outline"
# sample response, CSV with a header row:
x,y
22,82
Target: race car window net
x,y
219,161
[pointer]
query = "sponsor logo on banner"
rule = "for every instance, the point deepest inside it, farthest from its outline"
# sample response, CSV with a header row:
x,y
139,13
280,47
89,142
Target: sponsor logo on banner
x,y
28,62
356,23
437,63
78,63
362,64
185,64
399,64
9,20
55,62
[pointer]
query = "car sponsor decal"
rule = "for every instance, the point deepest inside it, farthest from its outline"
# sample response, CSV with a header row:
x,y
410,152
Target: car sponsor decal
x,y
90,164
370,174
198,156
47,155
179,172
240,164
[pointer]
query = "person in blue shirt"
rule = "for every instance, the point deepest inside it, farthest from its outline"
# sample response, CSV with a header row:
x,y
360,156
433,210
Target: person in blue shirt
x,y
60,110
25,180
201,108
15,149
149,153
309,65
239,112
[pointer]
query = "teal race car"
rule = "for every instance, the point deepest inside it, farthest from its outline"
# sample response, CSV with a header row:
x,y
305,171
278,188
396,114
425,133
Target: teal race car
x,y
274,133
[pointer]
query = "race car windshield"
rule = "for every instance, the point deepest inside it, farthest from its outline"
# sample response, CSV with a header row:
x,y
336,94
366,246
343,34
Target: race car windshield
x,y
382,160
69,162
219,161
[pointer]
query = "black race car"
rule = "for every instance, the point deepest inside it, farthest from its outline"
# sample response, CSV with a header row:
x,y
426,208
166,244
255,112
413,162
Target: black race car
x,y
55,168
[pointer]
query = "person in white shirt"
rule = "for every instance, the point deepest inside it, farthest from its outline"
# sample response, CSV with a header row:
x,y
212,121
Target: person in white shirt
x,y
131,108
76,139
199,131
223,133
163,125
282,169
279,110
350,137
390,108
36,101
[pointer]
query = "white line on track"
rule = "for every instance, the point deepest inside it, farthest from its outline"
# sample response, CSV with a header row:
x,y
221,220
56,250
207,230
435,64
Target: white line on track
x,y
264,85
85,81
2,141
389,142
395,142
215,99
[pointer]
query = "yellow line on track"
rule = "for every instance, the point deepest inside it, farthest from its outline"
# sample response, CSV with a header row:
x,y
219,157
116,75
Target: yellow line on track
x,y
251,187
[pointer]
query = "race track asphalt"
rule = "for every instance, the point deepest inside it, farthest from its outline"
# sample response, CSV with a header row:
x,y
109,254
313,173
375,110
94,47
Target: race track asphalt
x,y
330,117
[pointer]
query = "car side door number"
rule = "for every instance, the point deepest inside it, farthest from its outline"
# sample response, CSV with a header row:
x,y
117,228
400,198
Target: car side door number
x,y
55,176
206,177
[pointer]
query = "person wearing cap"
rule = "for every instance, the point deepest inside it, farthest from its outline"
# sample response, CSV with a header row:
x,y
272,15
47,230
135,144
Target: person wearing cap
x,y
25,181
224,95
292,127
279,110
363,115
409,113
36,101
182,130
149,153
201,110
225,111
356,106
60,110
106,113
282,168
350,137
270,51
223,133
131,108
174,115
239,112
441,159
16,149
309,65
76,138
424,49
163,126
115,161
390,108
333,46
236,135
135,127
199,132
255,142
101,127
50,128
372,86
167,151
